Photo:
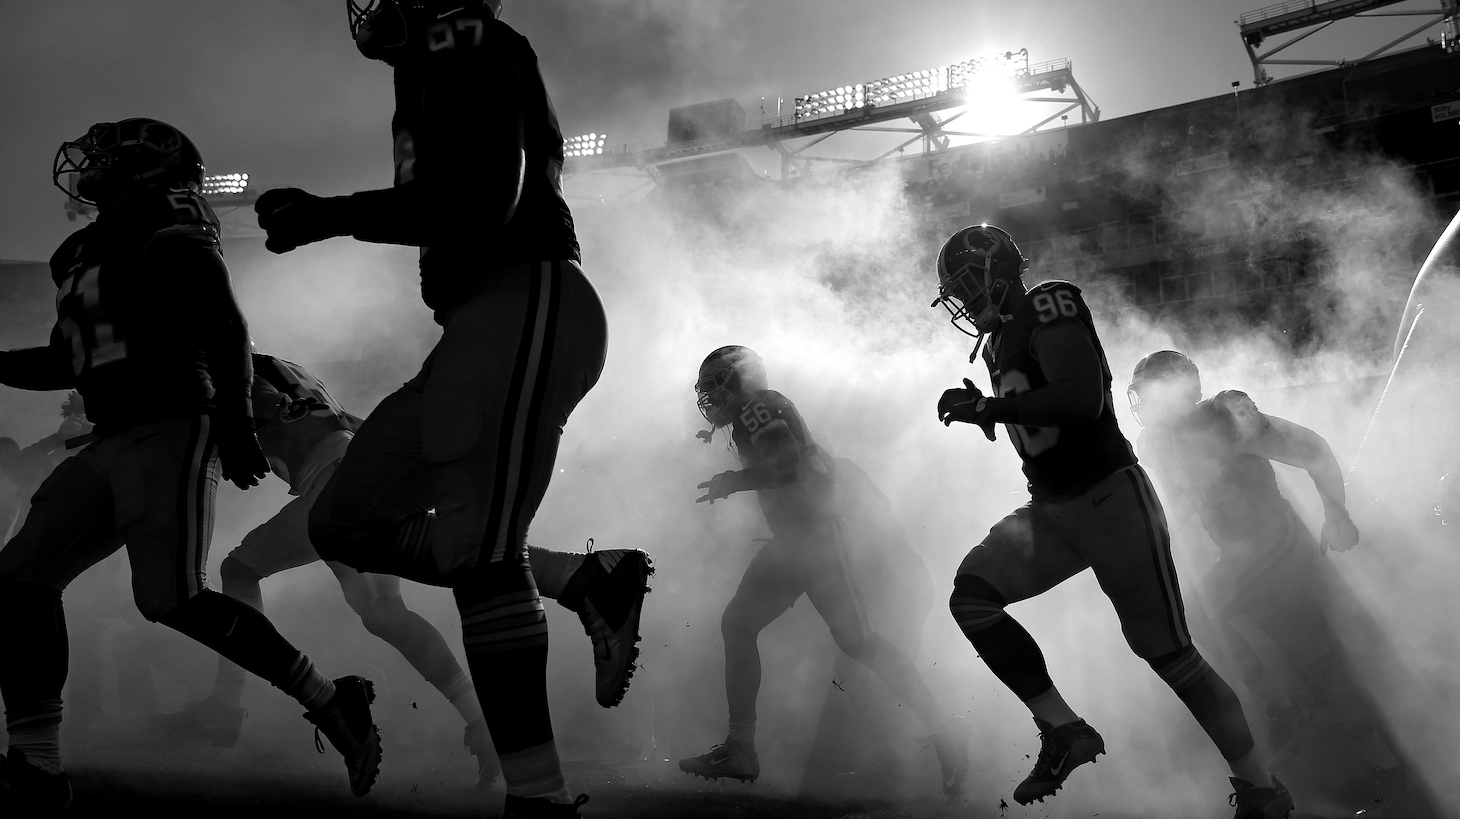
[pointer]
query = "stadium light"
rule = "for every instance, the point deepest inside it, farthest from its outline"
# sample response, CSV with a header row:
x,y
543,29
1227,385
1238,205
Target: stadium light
x,y
915,85
585,145
225,184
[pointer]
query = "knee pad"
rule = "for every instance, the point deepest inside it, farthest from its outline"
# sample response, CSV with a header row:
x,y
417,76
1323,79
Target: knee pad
x,y
975,604
235,573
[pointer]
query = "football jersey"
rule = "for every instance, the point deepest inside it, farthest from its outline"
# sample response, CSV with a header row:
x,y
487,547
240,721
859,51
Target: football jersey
x,y
300,385
1236,493
472,69
146,322
1059,462
794,476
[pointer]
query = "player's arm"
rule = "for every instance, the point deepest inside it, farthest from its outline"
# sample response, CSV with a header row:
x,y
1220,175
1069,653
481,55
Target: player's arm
x,y
1278,439
1075,392
212,320
39,368
468,184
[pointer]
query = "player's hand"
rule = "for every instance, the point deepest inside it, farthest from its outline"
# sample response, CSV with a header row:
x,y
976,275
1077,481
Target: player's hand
x,y
239,452
719,487
1339,535
967,405
293,217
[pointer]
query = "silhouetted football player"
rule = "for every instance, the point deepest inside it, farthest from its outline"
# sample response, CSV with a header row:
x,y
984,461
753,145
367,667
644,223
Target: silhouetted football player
x,y
478,160
1092,507
1214,459
795,481
305,433
148,332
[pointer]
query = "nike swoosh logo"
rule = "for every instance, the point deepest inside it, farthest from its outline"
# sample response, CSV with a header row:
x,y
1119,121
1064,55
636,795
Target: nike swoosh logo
x,y
1055,771
234,625
1102,500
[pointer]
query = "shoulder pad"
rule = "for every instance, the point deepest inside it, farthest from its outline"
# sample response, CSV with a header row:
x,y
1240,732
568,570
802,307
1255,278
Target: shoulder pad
x,y
1048,301
773,401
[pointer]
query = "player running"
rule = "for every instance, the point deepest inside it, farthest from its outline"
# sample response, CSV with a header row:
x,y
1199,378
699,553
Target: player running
x,y
1091,507
795,481
304,433
1214,459
444,477
149,333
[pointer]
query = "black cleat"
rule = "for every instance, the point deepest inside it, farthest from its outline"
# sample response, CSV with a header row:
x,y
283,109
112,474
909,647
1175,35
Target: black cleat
x,y
1253,802
26,790
347,723
1061,750
521,808
734,759
207,719
608,592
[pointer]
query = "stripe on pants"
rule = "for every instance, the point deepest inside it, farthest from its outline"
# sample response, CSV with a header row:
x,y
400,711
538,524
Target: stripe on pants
x,y
1160,546
523,407
194,508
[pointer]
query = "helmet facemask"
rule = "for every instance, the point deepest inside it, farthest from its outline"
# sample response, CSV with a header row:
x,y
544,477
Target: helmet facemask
x,y
113,158
728,377
978,267
1164,383
716,393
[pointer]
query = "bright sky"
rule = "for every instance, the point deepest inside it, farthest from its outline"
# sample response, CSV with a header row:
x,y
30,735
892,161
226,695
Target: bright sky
x,y
275,88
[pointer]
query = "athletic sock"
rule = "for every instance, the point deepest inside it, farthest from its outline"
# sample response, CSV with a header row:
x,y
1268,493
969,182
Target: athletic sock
x,y
460,693
228,685
741,731
551,571
312,689
1052,708
535,773
42,746
1249,769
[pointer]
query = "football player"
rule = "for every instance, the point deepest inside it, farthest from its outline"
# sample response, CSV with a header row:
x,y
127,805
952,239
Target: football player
x,y
795,481
478,164
1091,507
149,333
1214,459
304,433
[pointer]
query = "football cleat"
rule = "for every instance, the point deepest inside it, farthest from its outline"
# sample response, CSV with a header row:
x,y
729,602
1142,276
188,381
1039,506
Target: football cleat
x,y
206,719
734,759
607,592
479,741
519,807
1253,802
952,746
26,790
1061,750
346,723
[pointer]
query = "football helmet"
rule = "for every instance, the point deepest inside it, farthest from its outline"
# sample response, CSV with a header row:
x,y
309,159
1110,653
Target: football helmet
x,y
383,28
284,392
114,157
978,267
727,377
1168,378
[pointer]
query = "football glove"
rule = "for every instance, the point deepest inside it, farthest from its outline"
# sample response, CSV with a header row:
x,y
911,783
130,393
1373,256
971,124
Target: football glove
x,y
239,453
720,487
1339,534
293,218
967,405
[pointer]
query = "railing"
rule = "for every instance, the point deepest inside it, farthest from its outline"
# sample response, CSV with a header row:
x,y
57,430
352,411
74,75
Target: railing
x,y
1277,10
